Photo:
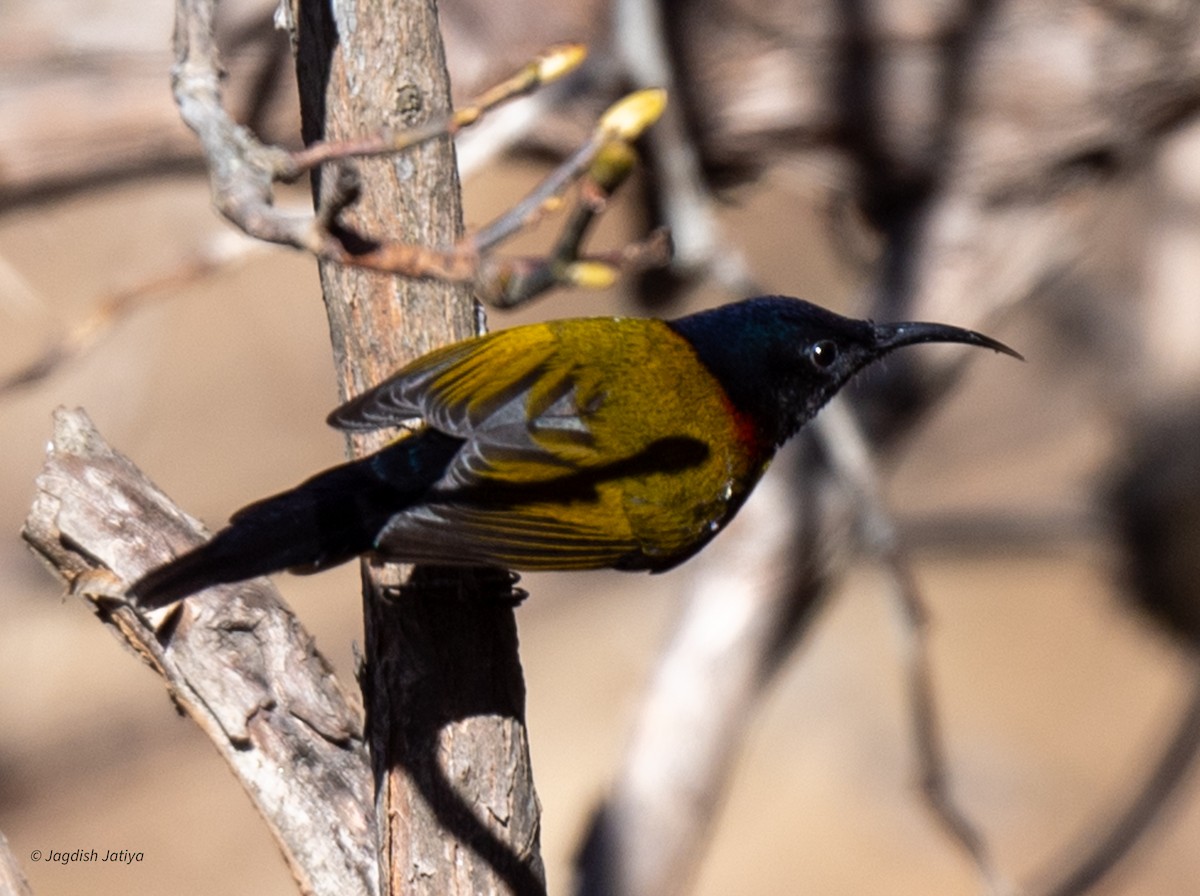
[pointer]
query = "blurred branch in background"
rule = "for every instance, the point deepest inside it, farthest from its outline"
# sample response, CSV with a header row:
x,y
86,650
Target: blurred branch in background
x,y
75,339
973,223
106,125
851,462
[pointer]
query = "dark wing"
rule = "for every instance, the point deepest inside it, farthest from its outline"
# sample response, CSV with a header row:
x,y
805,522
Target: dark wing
x,y
452,386
529,402
525,538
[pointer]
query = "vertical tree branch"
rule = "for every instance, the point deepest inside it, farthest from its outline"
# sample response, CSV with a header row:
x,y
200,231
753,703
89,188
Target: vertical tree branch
x,y
442,683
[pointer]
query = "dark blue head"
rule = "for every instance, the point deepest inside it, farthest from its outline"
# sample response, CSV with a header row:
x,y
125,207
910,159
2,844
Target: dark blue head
x,y
781,359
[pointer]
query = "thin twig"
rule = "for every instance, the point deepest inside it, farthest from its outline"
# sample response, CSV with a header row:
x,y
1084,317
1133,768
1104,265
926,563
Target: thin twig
x,y
545,68
503,282
116,307
1102,850
243,171
851,460
600,166
933,766
507,282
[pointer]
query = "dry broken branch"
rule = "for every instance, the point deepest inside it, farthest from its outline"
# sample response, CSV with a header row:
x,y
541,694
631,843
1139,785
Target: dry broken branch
x,y
235,659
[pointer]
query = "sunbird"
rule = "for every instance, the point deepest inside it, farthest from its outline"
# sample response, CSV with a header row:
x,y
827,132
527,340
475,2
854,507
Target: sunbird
x,y
587,443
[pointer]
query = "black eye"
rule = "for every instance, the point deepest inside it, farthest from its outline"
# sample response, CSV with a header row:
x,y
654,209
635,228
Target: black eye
x,y
823,353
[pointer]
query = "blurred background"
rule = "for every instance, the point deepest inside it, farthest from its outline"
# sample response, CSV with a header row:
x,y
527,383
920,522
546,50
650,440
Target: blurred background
x,y
1025,170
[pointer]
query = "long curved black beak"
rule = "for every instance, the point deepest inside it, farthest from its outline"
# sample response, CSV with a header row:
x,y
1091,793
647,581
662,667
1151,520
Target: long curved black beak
x,y
891,336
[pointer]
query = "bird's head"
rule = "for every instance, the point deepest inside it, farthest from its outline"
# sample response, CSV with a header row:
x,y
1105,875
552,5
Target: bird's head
x,y
781,359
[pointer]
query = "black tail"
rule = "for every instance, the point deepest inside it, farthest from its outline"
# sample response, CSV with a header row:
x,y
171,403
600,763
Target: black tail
x,y
326,520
